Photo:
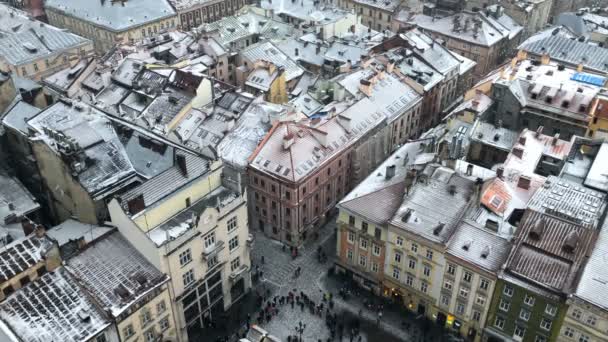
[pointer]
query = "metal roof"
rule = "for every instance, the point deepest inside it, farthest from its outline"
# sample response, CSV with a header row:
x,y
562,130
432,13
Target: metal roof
x,y
593,284
569,201
23,40
570,51
540,254
266,51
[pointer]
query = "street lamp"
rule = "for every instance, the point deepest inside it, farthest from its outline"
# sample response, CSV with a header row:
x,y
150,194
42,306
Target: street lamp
x,y
300,330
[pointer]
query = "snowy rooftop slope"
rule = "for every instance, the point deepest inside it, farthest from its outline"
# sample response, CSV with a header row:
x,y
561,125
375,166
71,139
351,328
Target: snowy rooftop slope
x,y
571,51
233,28
114,15
115,273
91,137
462,26
314,141
183,221
74,230
569,201
593,284
484,248
24,40
15,199
249,130
16,116
378,188
597,177
389,95
20,255
53,308
268,52
434,206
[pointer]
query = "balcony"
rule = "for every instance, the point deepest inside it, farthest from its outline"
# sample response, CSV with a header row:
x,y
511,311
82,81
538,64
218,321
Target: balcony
x,y
213,250
238,274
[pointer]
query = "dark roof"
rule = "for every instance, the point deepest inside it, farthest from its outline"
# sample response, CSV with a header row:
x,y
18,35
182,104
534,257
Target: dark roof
x,y
540,254
385,201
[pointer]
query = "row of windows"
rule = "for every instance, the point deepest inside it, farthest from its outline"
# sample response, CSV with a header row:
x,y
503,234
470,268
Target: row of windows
x,y
185,257
573,333
519,331
467,277
146,318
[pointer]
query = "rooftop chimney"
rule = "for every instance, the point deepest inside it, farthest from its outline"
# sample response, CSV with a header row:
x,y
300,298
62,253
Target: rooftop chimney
x,y
180,160
555,139
518,152
500,172
522,140
27,226
39,231
288,140
524,182
539,131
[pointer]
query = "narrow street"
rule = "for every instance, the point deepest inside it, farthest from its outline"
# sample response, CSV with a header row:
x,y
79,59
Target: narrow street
x,y
356,316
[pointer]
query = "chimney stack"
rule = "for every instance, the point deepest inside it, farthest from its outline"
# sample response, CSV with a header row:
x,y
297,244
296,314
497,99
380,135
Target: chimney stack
x,y
500,172
27,226
180,159
288,140
39,231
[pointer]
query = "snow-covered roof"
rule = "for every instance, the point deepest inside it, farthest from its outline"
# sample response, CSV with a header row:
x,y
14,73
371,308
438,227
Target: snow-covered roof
x,y
597,177
474,27
489,134
115,273
234,28
306,10
388,94
566,50
24,40
385,192
16,117
74,230
593,284
434,205
85,133
115,16
314,141
478,246
20,255
250,129
183,221
266,51
15,200
569,201
53,308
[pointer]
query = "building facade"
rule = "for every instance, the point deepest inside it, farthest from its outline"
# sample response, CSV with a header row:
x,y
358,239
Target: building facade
x,y
192,14
106,24
198,235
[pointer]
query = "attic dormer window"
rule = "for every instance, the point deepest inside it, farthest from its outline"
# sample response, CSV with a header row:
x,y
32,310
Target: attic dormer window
x,y
485,252
571,242
467,245
537,230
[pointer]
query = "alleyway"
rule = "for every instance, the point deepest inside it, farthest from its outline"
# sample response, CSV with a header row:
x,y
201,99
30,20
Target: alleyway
x,y
359,310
